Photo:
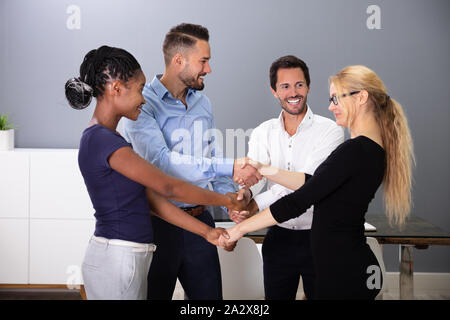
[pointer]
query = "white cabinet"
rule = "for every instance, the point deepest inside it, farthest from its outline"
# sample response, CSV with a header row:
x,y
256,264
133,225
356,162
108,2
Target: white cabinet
x,y
57,250
57,189
14,213
46,217
14,184
13,250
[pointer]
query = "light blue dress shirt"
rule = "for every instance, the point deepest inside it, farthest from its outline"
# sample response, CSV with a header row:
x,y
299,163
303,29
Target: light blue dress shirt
x,y
179,140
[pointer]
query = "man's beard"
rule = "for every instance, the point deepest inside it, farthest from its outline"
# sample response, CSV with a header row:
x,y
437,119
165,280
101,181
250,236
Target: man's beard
x,y
285,106
191,81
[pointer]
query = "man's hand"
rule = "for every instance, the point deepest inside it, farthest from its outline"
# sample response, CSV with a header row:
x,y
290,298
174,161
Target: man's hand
x,y
244,173
244,194
239,216
236,204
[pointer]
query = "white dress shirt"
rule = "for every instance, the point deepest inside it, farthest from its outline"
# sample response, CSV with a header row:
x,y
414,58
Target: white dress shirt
x,y
316,137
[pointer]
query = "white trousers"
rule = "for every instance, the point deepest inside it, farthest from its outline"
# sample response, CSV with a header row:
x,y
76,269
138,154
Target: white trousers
x,y
116,269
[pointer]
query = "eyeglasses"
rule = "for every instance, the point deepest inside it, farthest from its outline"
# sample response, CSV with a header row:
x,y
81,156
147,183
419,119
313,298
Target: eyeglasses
x,y
335,98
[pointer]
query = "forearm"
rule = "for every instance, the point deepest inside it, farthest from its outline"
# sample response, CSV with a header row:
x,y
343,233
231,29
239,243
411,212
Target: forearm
x,y
289,179
259,221
174,215
194,169
128,163
148,141
189,193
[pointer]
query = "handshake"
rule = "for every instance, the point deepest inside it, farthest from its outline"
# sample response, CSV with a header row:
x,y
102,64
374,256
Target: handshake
x,y
245,172
242,206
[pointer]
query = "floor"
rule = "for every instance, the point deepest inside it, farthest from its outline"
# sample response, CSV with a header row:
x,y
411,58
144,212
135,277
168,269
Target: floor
x,y
390,295
419,296
66,294
39,294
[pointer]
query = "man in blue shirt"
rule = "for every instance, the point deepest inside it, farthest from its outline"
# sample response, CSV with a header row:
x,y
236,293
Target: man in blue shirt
x,y
175,132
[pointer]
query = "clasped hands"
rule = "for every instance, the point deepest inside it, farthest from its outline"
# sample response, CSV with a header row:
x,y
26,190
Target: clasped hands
x,y
242,206
245,172
219,236
238,205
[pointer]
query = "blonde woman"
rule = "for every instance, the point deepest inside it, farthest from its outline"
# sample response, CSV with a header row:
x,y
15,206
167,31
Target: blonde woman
x,y
379,151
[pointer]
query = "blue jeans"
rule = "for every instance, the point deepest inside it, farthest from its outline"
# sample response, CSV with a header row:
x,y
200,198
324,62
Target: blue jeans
x,y
186,256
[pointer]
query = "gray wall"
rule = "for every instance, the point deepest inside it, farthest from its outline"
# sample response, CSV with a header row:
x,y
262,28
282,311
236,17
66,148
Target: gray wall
x,y
410,52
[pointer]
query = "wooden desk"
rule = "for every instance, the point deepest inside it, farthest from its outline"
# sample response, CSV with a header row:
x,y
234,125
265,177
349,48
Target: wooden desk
x,y
416,232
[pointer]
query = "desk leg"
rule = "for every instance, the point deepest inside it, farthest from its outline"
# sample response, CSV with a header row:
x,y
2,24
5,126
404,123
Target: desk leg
x,y
406,273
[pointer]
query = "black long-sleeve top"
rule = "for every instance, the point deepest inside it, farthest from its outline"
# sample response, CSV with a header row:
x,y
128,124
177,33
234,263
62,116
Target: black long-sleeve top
x,y
340,190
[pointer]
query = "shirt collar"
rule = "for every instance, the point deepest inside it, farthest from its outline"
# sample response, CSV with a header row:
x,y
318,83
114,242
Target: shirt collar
x,y
307,119
161,91
158,87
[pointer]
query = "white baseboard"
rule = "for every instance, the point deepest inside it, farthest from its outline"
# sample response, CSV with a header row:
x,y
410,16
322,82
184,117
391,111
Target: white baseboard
x,y
423,281
425,284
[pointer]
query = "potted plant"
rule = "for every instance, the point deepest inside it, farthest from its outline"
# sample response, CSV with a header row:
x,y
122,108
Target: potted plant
x,y
6,134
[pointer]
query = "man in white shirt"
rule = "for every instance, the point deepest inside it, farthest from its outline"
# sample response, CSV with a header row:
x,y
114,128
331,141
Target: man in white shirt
x,y
297,140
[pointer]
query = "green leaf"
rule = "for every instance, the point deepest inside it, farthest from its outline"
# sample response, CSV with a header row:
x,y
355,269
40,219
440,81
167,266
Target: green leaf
x,y
4,123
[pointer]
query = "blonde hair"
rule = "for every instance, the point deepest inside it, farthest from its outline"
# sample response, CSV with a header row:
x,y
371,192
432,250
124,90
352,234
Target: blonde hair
x,y
396,137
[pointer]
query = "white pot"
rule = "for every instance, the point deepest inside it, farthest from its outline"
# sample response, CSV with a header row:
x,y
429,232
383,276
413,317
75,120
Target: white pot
x,y
7,140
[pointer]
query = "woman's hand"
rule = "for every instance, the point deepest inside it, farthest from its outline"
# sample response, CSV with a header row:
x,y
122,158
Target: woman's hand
x,y
255,164
213,235
230,243
239,216
219,237
258,221
289,179
234,234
